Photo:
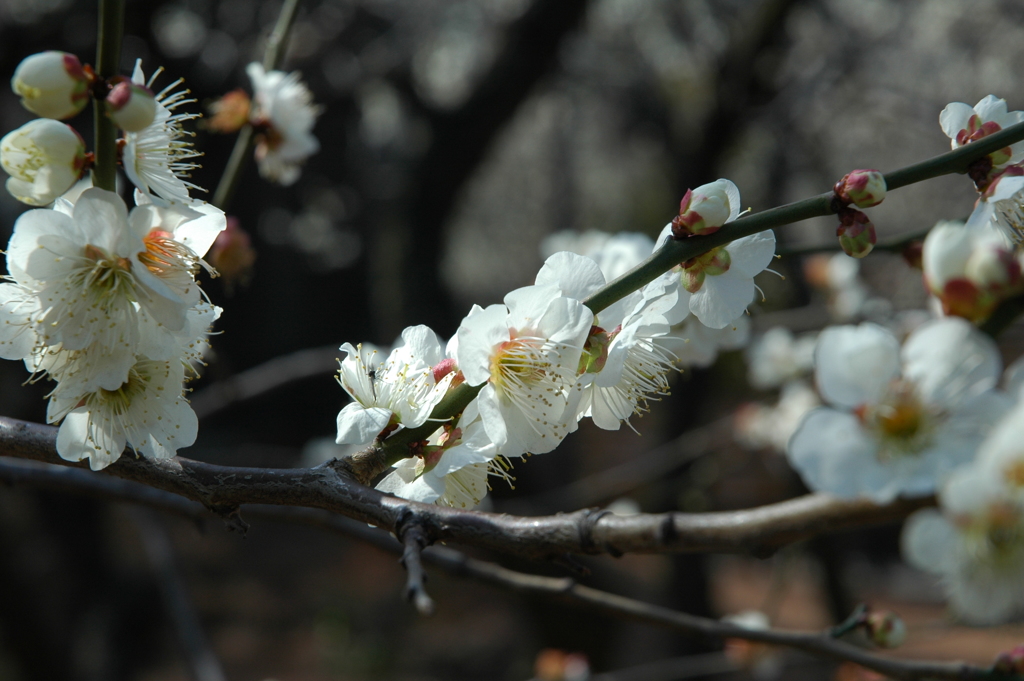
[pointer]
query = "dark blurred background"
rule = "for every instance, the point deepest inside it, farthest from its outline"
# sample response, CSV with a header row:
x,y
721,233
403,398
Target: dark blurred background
x,y
455,136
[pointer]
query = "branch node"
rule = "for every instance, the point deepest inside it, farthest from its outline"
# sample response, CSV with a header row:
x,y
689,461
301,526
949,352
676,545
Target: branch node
x,y
588,520
232,516
575,567
415,539
363,466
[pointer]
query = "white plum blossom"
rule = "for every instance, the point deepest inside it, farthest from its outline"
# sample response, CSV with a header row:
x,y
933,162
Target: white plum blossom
x,y
964,124
718,286
51,84
44,158
696,345
623,364
974,544
284,112
89,271
399,390
147,411
158,158
778,357
900,420
453,469
526,352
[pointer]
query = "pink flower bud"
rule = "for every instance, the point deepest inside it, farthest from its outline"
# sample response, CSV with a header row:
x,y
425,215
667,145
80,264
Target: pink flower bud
x,y
885,629
52,84
232,255
862,188
856,234
705,209
1010,662
131,106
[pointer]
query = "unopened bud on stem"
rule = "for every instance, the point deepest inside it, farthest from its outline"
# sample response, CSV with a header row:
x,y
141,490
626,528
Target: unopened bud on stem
x,y
52,84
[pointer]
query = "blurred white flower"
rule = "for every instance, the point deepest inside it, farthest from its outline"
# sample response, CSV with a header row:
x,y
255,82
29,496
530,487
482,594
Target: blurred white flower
x,y
615,254
975,544
903,420
778,357
284,114
759,425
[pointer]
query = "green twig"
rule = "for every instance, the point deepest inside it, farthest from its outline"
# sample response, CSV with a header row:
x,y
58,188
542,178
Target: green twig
x,y
675,252
108,59
273,54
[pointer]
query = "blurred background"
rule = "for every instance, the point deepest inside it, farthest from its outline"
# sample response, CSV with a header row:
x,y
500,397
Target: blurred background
x,y
456,136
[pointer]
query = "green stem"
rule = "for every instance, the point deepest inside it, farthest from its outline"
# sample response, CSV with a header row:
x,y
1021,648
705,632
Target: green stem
x,y
675,252
273,55
108,59
457,399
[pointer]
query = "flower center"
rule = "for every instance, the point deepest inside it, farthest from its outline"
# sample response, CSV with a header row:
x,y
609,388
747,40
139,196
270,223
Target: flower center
x,y
164,255
119,401
903,425
107,275
519,364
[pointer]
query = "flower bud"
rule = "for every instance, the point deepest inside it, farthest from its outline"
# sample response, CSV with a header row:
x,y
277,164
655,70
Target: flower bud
x,y
885,629
1010,662
992,268
52,84
705,209
233,255
44,159
862,188
944,254
856,234
131,106
230,112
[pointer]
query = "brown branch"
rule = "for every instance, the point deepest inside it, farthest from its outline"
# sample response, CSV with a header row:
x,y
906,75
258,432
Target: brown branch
x,y
223,489
564,589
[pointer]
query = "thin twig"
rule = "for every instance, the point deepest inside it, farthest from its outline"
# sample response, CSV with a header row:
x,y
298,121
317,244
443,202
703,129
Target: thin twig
x,y
202,662
675,252
414,540
263,378
273,55
563,589
223,489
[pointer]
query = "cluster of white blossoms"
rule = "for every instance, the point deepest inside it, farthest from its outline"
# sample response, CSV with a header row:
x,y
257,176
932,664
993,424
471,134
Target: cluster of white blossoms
x,y
104,302
543,361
